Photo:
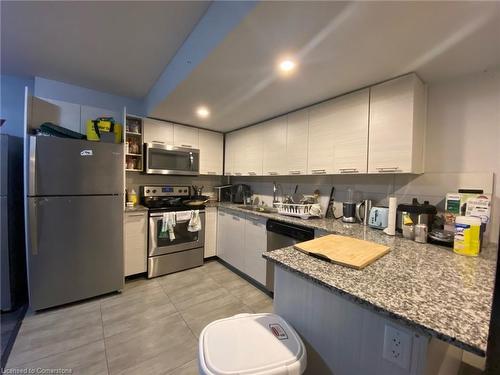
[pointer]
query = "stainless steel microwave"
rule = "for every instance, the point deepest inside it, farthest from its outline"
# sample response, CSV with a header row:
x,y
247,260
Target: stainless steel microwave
x,y
165,159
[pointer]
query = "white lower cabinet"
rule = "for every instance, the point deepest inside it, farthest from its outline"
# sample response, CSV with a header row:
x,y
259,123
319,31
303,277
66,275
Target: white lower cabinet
x,y
136,237
210,232
230,232
241,240
255,245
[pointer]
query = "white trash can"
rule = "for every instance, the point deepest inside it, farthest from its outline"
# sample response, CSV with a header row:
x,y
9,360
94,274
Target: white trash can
x,y
263,344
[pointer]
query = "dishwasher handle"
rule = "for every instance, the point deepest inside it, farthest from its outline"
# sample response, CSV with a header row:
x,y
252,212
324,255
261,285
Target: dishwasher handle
x,y
296,232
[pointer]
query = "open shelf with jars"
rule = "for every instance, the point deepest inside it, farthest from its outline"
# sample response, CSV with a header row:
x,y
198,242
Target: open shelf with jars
x,y
133,144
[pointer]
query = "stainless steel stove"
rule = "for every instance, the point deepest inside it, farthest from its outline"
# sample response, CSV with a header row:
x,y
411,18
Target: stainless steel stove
x,y
167,255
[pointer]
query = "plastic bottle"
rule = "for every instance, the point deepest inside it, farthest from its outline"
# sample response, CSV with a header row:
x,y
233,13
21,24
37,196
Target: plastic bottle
x,y
467,234
132,197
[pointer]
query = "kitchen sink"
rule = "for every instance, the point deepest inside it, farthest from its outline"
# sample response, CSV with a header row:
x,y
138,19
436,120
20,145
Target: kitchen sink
x,y
267,210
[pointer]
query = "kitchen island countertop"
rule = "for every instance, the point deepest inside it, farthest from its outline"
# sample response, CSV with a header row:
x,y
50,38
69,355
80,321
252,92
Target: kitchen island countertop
x,y
424,286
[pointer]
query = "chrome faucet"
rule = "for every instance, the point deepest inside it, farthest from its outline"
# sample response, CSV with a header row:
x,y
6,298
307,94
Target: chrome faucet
x,y
276,187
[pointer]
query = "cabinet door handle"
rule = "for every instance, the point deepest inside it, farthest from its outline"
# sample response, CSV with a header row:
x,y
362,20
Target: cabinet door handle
x,y
349,170
272,173
188,146
211,172
294,172
237,173
318,171
252,173
135,215
160,142
387,169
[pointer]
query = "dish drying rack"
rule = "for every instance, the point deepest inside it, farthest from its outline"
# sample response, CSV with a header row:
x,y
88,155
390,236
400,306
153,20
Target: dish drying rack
x,y
295,209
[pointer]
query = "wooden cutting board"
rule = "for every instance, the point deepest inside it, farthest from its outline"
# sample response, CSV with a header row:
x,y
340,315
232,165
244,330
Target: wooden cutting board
x,y
343,250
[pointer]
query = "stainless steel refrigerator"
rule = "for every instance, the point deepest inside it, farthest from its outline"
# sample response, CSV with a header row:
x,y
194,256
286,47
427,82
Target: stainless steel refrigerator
x,y
75,220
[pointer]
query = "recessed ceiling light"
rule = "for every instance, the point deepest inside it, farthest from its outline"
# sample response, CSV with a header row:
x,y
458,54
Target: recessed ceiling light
x,y
202,112
287,65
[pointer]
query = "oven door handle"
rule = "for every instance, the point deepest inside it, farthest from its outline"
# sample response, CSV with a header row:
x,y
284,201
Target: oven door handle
x,y
160,214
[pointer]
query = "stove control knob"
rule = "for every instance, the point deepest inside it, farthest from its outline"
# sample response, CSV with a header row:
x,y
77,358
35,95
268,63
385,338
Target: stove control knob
x,y
147,190
180,191
185,191
154,191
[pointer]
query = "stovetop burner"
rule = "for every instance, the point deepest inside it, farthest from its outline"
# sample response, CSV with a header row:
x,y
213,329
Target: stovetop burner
x,y
166,198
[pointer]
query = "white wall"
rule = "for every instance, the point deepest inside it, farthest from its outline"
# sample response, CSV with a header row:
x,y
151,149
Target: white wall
x,y
462,151
12,103
463,130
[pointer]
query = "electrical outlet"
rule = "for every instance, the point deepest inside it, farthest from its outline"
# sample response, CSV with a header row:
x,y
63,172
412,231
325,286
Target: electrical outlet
x,y
397,346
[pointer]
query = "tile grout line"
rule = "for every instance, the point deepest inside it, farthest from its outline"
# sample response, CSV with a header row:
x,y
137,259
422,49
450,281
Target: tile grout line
x,y
187,325
180,314
55,354
104,340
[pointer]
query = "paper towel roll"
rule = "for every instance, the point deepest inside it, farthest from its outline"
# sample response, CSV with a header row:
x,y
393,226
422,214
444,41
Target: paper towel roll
x,y
391,221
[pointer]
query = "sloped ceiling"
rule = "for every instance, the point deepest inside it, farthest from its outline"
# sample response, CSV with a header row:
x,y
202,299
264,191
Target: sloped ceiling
x,y
339,47
119,47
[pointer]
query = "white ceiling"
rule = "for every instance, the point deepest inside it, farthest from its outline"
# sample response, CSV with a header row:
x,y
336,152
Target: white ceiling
x,y
118,47
340,47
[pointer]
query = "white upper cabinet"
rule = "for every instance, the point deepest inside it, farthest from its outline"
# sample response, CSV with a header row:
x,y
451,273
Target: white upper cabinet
x,y
321,137
273,135
397,126
211,152
297,135
229,154
159,132
349,119
338,135
186,136
247,151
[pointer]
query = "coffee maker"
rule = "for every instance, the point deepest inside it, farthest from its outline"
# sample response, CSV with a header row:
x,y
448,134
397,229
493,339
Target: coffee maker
x,y
240,192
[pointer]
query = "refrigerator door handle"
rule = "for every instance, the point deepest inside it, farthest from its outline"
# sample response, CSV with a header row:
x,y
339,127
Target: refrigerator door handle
x,y
33,217
32,166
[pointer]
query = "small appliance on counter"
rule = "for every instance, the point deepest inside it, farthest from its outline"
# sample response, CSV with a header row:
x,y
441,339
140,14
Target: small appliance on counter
x,y
349,212
240,192
379,217
349,208
415,213
223,193
363,211
441,237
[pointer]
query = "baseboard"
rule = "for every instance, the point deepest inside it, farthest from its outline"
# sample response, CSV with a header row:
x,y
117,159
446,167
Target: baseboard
x,y
246,277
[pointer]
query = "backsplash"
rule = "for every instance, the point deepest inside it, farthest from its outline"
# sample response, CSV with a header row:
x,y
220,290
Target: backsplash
x,y
135,180
428,186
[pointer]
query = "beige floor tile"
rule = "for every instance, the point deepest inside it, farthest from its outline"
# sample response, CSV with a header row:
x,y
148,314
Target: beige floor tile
x,y
128,349
182,279
136,316
190,368
89,359
170,358
43,335
144,332
202,298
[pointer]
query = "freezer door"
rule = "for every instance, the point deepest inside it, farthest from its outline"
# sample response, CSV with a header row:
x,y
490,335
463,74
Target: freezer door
x,y
75,250
60,166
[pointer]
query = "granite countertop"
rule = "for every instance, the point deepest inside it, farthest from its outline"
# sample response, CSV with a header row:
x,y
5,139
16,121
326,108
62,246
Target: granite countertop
x,y
136,208
427,287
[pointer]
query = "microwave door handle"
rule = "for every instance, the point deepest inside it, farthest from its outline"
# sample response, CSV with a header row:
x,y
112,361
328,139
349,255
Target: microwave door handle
x,y
191,161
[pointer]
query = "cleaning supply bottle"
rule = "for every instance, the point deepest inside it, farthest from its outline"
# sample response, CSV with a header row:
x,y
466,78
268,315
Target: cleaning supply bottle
x,y
132,197
467,235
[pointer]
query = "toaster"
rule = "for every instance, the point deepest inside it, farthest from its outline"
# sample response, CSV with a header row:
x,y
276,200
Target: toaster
x,y
379,216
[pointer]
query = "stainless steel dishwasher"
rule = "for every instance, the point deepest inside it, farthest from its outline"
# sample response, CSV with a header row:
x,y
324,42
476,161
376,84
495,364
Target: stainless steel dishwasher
x,y
280,235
